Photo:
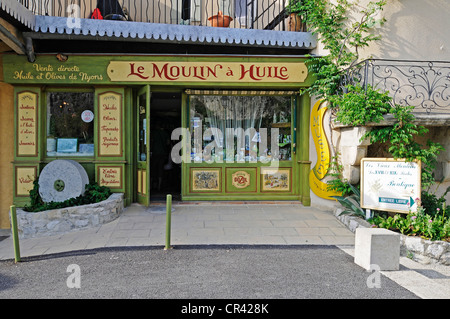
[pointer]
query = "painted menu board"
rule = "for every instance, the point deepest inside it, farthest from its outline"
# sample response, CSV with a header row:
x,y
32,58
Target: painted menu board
x,y
110,124
25,176
110,176
27,123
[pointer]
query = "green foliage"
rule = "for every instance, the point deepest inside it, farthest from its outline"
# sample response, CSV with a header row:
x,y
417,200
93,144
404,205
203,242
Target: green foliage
x,y
360,106
342,38
401,137
93,193
337,184
421,224
351,203
327,77
434,205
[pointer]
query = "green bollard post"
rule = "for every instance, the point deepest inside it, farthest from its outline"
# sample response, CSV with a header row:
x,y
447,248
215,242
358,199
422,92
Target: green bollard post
x,y
168,220
15,233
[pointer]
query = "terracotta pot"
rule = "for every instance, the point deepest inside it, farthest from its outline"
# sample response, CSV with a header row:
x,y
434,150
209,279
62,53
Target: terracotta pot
x,y
295,22
220,20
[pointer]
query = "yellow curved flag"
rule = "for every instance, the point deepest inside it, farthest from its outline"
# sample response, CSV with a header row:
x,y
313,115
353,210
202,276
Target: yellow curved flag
x,y
320,170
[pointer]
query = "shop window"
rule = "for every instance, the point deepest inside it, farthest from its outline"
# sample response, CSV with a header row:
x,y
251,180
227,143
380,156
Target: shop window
x,y
240,128
70,124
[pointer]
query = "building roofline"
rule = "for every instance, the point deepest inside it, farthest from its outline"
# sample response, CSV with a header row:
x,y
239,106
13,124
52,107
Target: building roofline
x,y
47,27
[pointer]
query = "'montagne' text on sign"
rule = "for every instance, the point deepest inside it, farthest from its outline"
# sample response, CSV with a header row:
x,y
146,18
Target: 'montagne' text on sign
x,y
124,71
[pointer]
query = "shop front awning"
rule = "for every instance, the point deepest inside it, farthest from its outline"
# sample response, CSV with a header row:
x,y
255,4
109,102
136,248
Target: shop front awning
x,y
70,28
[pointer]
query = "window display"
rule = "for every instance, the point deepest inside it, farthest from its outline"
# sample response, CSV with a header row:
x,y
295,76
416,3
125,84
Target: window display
x,y
70,125
240,128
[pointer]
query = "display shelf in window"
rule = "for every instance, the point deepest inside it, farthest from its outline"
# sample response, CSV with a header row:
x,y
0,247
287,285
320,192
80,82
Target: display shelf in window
x,y
70,125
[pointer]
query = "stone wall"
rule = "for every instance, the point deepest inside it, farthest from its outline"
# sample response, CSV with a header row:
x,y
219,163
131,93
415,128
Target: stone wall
x,y
58,221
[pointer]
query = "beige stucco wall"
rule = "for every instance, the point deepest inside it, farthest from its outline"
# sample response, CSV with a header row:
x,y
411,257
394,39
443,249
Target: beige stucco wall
x,y
6,149
414,30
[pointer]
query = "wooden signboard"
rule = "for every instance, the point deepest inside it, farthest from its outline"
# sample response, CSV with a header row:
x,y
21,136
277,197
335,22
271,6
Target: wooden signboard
x,y
110,176
390,185
110,124
187,71
25,176
27,123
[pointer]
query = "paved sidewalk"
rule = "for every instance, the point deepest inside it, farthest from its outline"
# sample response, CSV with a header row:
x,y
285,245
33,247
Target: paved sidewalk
x,y
229,224
198,224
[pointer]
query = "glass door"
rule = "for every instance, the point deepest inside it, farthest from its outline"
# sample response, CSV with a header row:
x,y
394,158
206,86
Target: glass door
x,y
143,146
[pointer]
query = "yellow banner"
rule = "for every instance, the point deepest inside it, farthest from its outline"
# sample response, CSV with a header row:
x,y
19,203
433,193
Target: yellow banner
x,y
320,170
263,72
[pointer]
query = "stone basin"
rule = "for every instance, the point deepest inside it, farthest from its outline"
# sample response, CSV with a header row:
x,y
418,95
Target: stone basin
x,y
63,220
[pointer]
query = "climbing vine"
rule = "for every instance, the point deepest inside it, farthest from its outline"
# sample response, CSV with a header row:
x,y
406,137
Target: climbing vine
x,y
340,37
353,105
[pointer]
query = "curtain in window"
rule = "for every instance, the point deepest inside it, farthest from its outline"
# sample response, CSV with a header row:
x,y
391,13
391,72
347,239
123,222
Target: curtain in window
x,y
235,122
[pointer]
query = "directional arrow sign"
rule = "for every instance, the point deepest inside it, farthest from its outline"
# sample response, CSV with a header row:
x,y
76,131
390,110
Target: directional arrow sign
x,y
399,201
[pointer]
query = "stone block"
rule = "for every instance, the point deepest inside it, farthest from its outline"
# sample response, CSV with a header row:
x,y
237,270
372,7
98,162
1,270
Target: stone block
x,y
351,136
377,246
353,154
351,173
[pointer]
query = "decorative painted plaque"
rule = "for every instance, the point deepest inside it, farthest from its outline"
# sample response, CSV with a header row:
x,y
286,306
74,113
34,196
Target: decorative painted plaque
x,y
205,179
27,123
273,179
110,124
25,176
110,176
240,179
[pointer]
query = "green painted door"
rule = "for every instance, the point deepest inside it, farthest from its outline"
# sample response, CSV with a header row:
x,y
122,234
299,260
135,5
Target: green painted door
x,y
143,146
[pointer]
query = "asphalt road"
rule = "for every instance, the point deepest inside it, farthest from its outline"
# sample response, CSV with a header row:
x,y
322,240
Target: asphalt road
x,y
195,273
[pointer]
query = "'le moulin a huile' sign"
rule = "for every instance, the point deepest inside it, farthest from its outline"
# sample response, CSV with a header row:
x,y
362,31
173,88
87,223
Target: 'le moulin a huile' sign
x,y
268,72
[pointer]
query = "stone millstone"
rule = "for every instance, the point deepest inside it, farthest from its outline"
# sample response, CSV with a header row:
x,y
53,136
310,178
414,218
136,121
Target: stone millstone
x,y
61,180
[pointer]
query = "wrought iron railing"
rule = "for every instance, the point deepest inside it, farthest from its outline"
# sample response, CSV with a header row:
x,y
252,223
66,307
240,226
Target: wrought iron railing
x,y
422,84
246,14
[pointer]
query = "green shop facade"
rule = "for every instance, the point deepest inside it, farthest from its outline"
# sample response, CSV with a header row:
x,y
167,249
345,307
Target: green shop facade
x,y
197,127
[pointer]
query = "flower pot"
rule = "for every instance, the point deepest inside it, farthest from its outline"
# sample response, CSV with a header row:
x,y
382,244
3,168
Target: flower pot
x,y
295,23
220,20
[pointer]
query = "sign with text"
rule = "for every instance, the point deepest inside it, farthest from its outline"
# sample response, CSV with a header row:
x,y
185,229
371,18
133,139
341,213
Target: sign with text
x,y
27,123
113,69
51,72
258,72
110,124
390,185
110,176
25,176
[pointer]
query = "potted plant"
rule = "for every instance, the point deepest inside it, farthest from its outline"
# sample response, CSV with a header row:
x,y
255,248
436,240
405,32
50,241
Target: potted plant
x,y
219,20
294,9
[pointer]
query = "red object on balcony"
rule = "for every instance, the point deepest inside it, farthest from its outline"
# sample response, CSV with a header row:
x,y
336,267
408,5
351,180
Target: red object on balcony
x,y
220,20
97,14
